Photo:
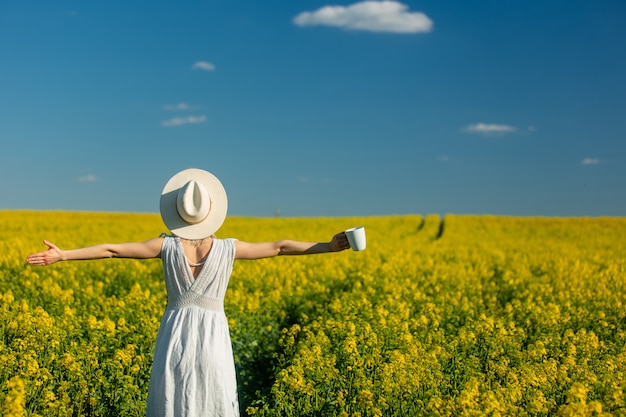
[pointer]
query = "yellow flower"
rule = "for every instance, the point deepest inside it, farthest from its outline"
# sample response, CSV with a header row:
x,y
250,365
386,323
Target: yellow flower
x,y
125,356
365,399
15,400
50,398
577,392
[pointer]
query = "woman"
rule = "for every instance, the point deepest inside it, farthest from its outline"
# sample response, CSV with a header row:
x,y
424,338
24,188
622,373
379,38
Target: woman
x,y
193,372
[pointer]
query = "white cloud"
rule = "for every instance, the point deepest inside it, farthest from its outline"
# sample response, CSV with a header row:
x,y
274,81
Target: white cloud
x,y
204,66
87,178
489,128
179,106
179,121
374,16
590,161
443,158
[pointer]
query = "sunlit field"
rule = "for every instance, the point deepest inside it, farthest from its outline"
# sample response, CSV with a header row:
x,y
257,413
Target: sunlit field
x,y
442,316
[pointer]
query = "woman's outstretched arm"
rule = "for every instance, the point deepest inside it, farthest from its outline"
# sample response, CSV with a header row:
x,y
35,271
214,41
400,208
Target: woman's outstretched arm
x,y
245,250
136,250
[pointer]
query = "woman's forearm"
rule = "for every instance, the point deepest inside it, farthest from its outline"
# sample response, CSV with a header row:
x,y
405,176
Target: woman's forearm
x,y
245,250
292,247
55,254
137,250
90,252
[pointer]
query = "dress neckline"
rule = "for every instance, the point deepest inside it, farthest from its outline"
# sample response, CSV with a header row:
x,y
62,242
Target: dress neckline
x,y
191,278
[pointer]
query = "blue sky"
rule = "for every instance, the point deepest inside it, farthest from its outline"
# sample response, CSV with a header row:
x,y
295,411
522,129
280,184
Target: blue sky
x,y
317,108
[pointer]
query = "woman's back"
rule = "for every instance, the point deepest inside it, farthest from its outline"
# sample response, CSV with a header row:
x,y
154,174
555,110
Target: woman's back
x,y
193,373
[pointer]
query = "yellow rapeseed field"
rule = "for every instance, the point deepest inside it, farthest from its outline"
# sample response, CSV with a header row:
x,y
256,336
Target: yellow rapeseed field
x,y
460,316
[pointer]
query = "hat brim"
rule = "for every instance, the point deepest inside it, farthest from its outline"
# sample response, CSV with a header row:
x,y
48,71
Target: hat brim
x,y
217,213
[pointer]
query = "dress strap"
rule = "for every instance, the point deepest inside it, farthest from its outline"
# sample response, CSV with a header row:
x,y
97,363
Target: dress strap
x,y
191,298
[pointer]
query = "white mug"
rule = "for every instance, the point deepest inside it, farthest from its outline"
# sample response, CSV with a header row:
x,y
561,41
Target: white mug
x,y
356,238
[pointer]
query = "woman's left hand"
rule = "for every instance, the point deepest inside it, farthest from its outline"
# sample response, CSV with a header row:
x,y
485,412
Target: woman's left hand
x,y
52,255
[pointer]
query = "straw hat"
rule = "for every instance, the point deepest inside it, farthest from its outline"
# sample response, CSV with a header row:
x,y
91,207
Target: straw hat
x,y
193,204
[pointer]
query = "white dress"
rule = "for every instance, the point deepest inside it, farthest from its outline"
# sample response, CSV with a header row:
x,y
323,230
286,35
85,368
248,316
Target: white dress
x,y
193,373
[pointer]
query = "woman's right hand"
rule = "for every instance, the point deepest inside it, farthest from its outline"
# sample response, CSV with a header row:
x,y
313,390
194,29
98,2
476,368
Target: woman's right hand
x,y
48,257
339,242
